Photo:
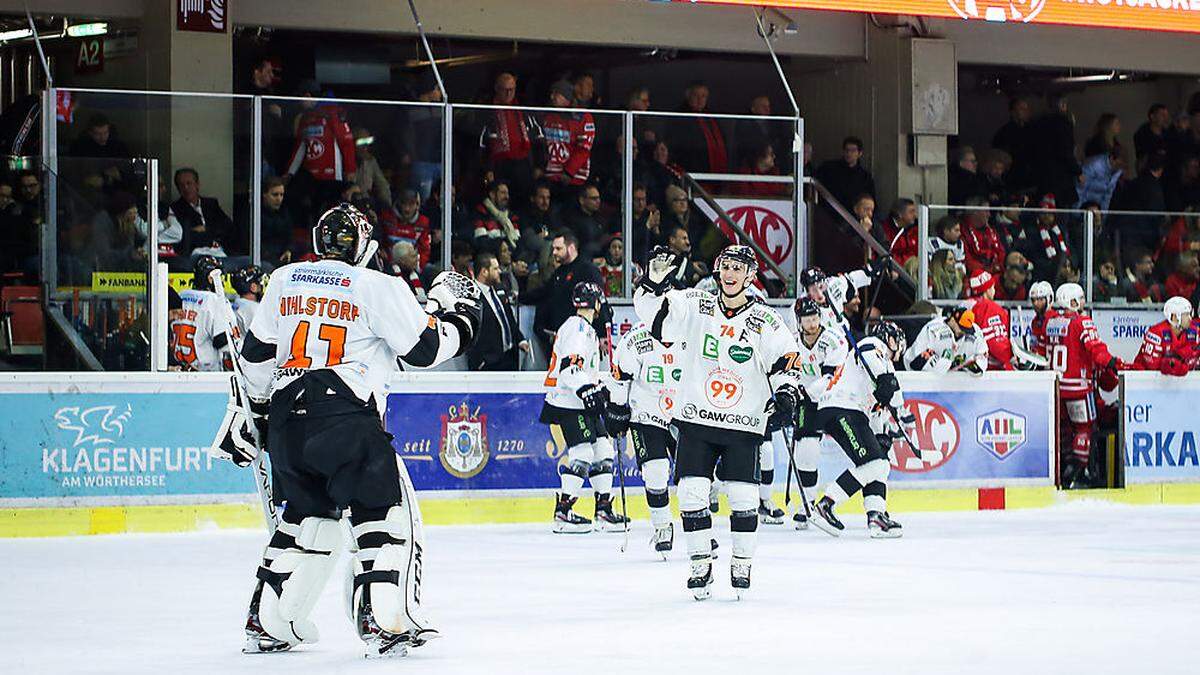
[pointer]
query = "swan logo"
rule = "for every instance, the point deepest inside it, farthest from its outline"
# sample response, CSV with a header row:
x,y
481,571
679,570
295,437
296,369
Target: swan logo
x,y
1023,11
98,425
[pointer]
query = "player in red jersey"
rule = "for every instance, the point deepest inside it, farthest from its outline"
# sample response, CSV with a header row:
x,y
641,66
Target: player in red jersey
x,y
1172,346
1041,297
992,320
1077,353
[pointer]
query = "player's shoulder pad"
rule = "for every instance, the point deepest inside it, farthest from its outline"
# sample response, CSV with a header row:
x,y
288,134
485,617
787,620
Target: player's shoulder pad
x,y
869,344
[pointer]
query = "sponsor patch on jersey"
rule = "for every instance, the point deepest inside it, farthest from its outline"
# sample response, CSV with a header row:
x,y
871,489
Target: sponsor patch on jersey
x,y
740,354
463,448
1000,432
708,306
754,324
689,411
643,346
710,348
740,419
677,374
321,278
654,375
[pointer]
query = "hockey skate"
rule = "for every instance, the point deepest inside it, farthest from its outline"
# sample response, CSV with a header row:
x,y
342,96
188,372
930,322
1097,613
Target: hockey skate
x,y
384,644
824,519
608,520
881,526
257,640
700,583
739,576
769,514
662,539
566,521
800,520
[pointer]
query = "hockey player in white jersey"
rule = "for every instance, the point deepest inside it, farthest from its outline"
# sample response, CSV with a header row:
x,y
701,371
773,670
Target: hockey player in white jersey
x,y
323,347
576,402
644,398
865,383
249,282
949,343
199,334
832,293
821,352
736,355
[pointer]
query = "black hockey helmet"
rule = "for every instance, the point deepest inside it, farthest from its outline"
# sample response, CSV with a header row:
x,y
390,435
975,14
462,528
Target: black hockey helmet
x,y
342,233
810,276
806,307
202,267
739,253
243,277
587,295
889,333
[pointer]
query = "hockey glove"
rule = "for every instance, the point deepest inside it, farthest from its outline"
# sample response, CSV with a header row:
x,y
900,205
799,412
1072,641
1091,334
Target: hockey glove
x,y
616,418
1174,366
786,399
878,266
594,397
235,440
662,267
908,425
455,299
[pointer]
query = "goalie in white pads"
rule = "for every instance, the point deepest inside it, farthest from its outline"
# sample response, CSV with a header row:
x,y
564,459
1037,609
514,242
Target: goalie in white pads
x,y
949,343
821,352
736,355
576,402
865,383
322,347
647,374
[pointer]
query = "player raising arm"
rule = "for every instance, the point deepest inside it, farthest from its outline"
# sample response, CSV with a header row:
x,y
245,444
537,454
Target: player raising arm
x,y
322,347
736,355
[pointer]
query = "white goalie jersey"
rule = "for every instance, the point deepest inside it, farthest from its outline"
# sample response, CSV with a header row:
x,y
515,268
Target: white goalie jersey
x,y
817,364
936,349
648,377
574,363
731,362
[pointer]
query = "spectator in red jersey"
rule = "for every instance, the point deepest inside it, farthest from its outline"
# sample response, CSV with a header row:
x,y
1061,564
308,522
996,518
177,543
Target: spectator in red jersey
x,y
1172,346
762,163
1187,273
569,139
507,138
408,224
324,145
902,218
494,220
1139,284
1016,275
992,320
698,142
1184,235
981,244
1051,250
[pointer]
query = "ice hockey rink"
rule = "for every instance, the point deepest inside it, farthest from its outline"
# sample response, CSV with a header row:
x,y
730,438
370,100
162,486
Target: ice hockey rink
x,y
1080,588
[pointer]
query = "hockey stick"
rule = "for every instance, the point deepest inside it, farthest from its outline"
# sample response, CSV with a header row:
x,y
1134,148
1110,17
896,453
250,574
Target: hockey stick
x,y
262,482
913,447
795,468
787,492
621,482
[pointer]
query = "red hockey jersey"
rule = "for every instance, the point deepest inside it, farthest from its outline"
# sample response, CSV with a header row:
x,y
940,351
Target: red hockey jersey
x,y
992,320
324,145
569,139
416,233
1168,353
1037,331
1076,351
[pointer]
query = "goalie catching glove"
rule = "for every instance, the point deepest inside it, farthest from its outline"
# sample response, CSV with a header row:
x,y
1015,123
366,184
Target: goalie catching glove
x,y
454,298
240,436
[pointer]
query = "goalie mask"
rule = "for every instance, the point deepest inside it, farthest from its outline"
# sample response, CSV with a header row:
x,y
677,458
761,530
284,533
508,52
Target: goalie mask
x,y
342,233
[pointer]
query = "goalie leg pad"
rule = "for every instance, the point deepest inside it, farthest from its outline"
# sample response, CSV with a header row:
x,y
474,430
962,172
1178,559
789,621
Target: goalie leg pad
x,y
387,574
293,576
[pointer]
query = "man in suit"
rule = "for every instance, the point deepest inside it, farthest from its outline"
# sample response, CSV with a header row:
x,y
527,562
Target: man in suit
x,y
500,335
205,224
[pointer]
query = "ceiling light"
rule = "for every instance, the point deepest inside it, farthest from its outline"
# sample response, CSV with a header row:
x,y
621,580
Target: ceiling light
x,y
15,35
87,29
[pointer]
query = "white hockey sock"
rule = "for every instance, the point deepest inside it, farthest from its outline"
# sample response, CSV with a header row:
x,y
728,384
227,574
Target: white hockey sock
x,y
573,473
743,521
697,519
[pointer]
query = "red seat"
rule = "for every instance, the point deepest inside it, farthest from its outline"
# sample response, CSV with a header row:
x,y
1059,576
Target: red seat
x,y
22,308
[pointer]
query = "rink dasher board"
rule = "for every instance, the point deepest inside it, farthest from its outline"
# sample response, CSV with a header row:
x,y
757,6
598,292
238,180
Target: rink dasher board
x,y
1159,427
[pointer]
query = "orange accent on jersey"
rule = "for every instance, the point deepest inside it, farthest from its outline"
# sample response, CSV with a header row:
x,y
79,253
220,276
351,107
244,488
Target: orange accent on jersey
x,y
184,343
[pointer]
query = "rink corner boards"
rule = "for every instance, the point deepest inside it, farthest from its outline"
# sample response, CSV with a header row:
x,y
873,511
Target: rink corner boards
x,y
482,510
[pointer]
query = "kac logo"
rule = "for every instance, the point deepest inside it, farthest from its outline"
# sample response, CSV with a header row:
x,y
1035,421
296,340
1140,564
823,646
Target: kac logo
x,y
998,10
768,229
937,438
1000,432
463,449
100,425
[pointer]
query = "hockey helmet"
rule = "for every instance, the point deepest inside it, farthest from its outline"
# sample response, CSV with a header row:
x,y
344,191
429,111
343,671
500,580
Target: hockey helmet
x,y
964,317
1041,290
587,295
202,268
739,253
1178,312
243,278
810,276
806,307
342,233
1069,297
891,335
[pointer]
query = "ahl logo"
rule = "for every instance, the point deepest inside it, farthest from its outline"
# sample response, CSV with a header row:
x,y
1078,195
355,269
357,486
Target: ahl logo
x,y
937,437
463,449
998,10
100,424
1000,432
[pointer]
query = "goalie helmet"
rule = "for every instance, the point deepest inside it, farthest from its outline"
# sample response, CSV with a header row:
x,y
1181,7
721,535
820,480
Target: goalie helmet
x,y
201,271
1070,297
1178,312
891,335
342,233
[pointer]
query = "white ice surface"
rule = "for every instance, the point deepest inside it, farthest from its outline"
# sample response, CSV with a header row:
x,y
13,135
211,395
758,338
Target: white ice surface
x,y
1084,588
